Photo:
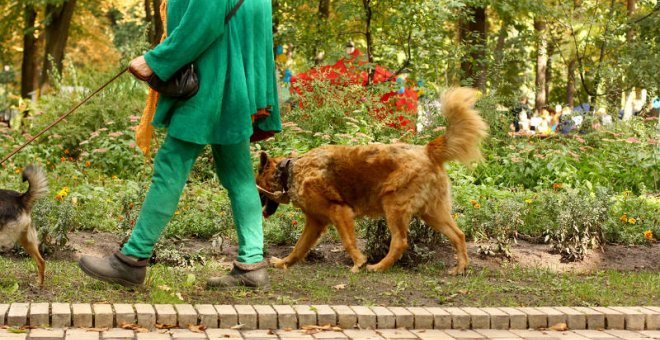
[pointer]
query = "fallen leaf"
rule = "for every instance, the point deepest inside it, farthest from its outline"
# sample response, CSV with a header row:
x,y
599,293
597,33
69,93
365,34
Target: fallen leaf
x,y
463,291
197,328
339,286
133,327
165,288
164,326
559,327
239,326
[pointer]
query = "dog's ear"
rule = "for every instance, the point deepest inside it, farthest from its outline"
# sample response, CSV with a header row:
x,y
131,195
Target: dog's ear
x,y
263,161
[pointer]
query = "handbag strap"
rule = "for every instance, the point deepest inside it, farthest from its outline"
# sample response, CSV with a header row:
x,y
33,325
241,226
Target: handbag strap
x,y
233,11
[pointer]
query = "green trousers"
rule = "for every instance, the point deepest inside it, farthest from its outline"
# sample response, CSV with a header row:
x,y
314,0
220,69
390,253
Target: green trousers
x,y
172,166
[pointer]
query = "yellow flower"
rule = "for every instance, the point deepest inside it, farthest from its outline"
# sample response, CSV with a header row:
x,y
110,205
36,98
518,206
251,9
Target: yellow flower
x,y
623,218
58,197
627,193
473,202
455,216
476,205
528,201
632,220
176,212
648,234
18,170
114,177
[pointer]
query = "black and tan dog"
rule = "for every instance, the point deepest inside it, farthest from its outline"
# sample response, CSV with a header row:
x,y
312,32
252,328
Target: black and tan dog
x,y
16,216
335,184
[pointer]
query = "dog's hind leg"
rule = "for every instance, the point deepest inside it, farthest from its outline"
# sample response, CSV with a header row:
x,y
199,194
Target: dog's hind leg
x,y
30,242
343,218
310,235
440,220
397,222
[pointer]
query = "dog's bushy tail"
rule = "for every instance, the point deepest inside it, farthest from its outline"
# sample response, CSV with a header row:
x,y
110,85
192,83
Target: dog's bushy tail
x,y
465,129
36,177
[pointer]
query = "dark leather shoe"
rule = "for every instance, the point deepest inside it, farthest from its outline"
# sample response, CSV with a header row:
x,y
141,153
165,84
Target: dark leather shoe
x,y
118,268
250,275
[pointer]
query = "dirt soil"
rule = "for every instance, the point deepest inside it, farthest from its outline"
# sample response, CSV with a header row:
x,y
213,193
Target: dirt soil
x,y
524,254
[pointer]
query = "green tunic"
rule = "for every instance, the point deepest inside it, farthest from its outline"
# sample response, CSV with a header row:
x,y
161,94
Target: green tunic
x,y
234,63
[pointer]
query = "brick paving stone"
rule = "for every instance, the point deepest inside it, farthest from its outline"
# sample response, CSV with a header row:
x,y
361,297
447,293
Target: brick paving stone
x,y
541,335
346,317
46,334
362,334
325,315
478,318
554,316
40,314
60,315
18,314
459,318
517,319
259,333
595,319
286,317
396,334
635,319
3,312
124,313
186,315
227,316
266,317
463,334
498,318
613,318
81,334
103,315
441,318
535,318
624,334
431,334
594,334
118,334
423,318
184,334
404,318
157,335
574,318
293,334
82,315
146,315
165,314
330,335
306,315
208,315
366,318
652,317
247,316
223,333
7,335
651,334
385,319
496,333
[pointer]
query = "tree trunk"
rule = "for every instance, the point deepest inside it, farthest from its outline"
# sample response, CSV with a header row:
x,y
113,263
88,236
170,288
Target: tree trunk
x,y
498,56
369,38
630,5
29,63
548,72
321,26
570,83
154,21
472,33
541,63
58,20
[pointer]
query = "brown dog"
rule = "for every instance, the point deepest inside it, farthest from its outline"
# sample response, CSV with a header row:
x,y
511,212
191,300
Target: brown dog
x,y
335,184
15,216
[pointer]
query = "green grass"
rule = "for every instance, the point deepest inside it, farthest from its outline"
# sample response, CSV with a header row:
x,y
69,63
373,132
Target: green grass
x,y
320,283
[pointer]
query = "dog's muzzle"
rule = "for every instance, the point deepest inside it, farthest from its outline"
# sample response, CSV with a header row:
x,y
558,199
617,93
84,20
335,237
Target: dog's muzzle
x,y
270,201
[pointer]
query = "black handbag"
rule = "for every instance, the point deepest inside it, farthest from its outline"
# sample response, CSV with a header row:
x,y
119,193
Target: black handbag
x,y
184,83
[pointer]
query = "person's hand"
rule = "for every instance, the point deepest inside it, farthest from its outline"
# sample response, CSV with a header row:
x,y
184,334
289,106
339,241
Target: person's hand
x,y
140,69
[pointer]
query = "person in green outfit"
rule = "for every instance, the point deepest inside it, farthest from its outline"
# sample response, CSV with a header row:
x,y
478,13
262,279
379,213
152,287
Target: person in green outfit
x,y
236,102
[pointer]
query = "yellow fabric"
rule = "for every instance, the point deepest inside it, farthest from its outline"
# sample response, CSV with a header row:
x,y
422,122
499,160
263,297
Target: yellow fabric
x,y
145,131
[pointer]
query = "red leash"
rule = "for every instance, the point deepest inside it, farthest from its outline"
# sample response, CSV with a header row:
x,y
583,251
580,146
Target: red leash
x,y
61,118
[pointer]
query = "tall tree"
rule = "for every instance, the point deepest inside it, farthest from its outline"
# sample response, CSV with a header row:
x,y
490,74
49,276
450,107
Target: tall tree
x,y
541,62
29,62
58,20
154,21
472,33
321,26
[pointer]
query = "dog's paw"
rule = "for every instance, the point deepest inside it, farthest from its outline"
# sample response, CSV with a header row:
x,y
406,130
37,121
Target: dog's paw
x,y
278,263
457,271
